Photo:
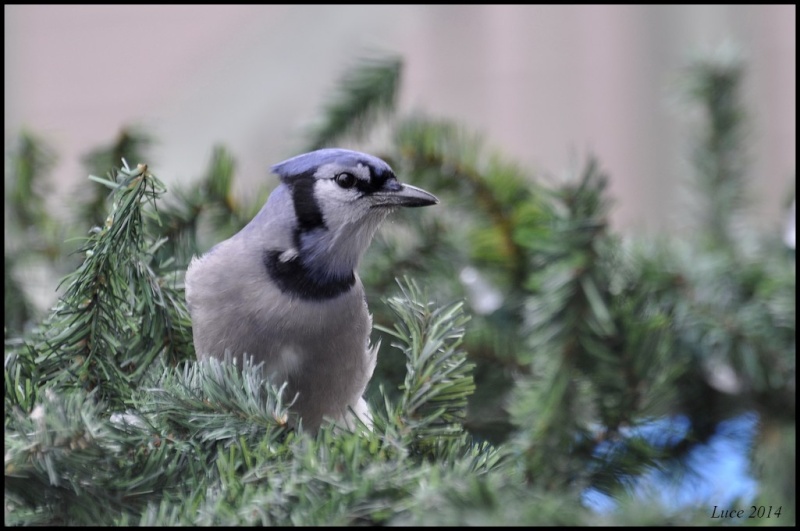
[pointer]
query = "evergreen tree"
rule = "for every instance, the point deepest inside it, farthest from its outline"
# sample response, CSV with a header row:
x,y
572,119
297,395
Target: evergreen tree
x,y
528,356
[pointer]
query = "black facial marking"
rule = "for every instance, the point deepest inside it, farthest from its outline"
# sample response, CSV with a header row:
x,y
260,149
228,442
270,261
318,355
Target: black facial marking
x,y
294,278
378,179
306,208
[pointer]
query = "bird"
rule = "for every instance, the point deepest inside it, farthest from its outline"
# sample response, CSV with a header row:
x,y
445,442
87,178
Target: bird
x,y
285,292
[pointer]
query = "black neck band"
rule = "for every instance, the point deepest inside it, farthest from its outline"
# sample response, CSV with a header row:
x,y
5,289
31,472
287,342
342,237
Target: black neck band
x,y
293,278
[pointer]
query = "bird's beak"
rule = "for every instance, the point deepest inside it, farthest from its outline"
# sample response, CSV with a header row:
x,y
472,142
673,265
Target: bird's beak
x,y
405,195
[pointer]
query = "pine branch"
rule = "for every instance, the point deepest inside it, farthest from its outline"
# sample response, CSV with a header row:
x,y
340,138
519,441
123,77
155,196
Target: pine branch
x,y
366,92
464,499
71,451
213,401
720,155
210,203
67,463
599,350
181,215
117,314
444,157
29,163
131,144
438,380
493,219
18,308
32,233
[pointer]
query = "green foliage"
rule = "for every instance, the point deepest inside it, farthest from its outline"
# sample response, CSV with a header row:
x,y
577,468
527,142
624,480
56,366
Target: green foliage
x,y
131,144
443,156
497,413
719,153
104,404
31,159
28,164
118,314
212,202
438,378
18,309
365,93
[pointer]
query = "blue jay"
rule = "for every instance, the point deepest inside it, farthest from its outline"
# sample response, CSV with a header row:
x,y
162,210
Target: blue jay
x,y
284,290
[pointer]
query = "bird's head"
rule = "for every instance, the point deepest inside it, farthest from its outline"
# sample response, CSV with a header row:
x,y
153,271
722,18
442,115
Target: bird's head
x,y
339,198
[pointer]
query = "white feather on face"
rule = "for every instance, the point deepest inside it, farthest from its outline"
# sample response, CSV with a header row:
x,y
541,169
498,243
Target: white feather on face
x,y
350,221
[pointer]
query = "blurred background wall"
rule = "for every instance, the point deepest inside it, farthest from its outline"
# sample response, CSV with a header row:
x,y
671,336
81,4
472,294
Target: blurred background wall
x,y
546,85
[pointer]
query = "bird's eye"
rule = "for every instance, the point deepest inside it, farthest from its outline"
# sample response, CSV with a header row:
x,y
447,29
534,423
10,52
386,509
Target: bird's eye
x,y
345,180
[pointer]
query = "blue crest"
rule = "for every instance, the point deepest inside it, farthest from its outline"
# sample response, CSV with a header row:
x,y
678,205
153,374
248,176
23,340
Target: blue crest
x,y
309,162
